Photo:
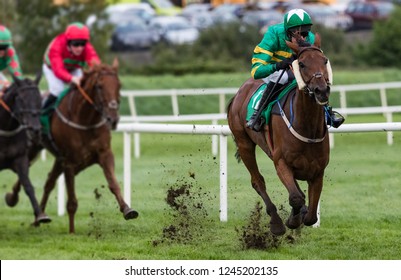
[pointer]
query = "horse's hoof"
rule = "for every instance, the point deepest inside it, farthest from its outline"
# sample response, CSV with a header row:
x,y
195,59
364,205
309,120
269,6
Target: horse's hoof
x,y
277,229
130,214
43,219
294,222
11,199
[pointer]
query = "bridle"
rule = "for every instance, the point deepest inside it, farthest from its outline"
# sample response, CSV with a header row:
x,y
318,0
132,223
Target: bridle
x,y
17,113
316,75
97,104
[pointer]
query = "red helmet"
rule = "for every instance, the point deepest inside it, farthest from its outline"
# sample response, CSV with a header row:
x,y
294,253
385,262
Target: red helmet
x,y
77,31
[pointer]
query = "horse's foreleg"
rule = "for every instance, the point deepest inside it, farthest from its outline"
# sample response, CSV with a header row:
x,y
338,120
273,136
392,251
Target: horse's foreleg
x,y
106,161
247,153
21,167
72,202
296,196
314,191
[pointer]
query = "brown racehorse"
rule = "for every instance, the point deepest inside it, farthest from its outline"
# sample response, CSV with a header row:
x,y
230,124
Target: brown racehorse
x,y
81,135
300,150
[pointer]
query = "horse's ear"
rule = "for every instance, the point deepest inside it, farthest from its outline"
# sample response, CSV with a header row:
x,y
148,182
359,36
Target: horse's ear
x,y
38,77
16,80
317,40
115,63
293,45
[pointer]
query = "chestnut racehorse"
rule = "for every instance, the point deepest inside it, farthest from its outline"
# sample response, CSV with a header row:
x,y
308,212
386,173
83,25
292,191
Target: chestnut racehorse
x,y
81,135
298,148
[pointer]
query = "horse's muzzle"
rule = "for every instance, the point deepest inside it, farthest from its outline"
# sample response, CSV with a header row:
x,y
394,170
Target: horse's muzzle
x,y
322,95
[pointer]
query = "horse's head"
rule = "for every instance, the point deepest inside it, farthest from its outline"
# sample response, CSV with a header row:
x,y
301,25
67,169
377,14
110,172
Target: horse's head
x,y
27,104
102,80
312,69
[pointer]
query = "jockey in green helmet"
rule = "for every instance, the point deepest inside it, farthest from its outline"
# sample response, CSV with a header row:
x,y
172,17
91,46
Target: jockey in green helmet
x,y
271,57
8,58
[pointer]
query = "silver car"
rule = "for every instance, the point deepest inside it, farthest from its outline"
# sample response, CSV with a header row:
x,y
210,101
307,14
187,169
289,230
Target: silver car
x,y
174,30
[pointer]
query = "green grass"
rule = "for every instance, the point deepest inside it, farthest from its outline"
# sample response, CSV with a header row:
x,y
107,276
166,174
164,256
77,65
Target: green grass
x,y
359,204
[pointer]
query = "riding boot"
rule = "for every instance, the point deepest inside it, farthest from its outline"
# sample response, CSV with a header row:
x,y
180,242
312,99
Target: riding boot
x,y
334,118
255,122
51,99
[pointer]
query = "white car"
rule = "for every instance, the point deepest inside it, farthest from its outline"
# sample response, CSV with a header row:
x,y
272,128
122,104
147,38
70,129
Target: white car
x,y
175,30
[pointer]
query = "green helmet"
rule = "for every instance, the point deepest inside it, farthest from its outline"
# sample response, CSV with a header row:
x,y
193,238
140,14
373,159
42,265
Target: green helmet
x,y
296,17
5,36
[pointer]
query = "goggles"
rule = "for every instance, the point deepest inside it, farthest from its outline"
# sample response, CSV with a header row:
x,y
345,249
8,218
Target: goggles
x,y
3,47
77,43
301,30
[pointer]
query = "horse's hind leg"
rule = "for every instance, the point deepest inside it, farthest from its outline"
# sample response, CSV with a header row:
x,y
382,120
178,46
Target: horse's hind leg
x,y
106,161
12,197
50,183
247,152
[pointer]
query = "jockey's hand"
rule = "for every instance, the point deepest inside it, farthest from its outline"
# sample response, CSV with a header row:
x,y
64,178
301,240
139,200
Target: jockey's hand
x,y
76,81
284,64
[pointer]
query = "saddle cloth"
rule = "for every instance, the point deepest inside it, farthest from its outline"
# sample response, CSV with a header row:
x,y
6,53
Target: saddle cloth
x,y
257,95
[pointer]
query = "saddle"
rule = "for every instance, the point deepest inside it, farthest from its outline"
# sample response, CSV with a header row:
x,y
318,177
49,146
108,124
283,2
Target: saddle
x,y
272,107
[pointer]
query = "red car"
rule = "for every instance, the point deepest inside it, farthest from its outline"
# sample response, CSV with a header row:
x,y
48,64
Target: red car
x,y
365,13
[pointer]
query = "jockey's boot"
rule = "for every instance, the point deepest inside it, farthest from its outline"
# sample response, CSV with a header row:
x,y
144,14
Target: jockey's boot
x,y
255,123
334,118
50,100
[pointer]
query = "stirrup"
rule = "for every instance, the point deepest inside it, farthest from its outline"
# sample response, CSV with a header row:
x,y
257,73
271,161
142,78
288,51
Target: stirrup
x,y
335,119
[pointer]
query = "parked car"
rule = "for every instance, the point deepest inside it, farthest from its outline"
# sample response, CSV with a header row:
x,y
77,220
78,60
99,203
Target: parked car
x,y
174,30
198,14
262,19
124,12
365,13
133,35
327,16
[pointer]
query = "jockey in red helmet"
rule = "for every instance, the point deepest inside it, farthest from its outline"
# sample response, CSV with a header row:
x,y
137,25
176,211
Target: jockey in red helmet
x,y
8,58
65,57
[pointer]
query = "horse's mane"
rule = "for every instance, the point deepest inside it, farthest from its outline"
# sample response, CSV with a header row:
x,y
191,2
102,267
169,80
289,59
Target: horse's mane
x,y
90,75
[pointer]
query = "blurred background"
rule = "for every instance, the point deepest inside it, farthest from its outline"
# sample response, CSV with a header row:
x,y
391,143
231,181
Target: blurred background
x,y
153,37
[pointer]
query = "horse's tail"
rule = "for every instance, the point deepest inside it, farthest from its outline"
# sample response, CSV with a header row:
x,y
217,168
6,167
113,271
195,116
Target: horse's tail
x,y
237,155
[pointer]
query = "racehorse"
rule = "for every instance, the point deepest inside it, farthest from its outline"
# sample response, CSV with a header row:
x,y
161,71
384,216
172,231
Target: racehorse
x,y
298,148
20,129
81,135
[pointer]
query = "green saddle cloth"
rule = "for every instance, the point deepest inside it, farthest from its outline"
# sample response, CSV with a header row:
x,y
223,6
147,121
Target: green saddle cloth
x,y
46,113
253,102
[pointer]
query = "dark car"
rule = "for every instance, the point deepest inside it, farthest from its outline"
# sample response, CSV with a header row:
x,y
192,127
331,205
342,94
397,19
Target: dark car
x,y
365,13
134,35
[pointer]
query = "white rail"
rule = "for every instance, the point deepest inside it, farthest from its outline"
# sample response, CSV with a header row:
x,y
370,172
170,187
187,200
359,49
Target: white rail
x,y
223,131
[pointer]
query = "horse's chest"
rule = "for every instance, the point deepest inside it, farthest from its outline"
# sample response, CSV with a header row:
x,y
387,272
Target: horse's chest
x,y
305,165
11,150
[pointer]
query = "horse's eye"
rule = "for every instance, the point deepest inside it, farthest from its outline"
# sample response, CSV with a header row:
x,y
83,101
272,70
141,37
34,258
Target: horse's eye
x,y
301,65
326,60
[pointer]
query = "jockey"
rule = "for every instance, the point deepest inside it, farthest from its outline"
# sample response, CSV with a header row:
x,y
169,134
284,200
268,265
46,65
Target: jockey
x,y
65,57
8,58
271,57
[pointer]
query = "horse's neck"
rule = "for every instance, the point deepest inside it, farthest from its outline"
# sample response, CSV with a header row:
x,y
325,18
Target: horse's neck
x,y
7,122
80,110
308,115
